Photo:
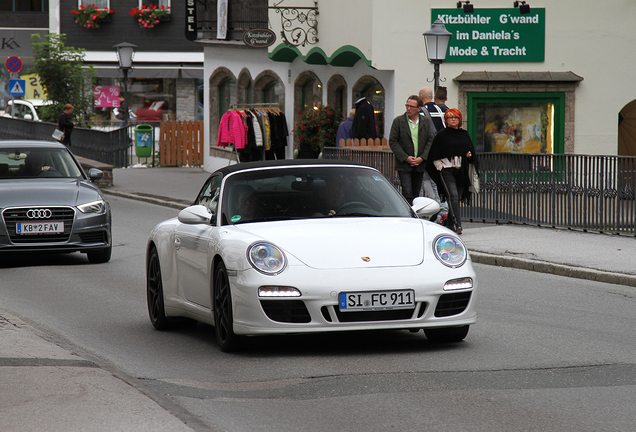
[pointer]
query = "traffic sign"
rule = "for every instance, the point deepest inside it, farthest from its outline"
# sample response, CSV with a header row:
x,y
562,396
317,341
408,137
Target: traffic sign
x,y
17,87
14,64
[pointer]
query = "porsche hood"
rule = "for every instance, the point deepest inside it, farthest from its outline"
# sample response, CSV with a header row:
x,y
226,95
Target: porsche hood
x,y
347,242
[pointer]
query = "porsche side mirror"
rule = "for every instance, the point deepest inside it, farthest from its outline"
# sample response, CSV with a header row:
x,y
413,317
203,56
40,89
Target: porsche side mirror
x,y
195,214
425,207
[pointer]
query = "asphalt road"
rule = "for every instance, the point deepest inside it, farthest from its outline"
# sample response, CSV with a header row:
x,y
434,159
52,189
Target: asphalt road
x,y
548,353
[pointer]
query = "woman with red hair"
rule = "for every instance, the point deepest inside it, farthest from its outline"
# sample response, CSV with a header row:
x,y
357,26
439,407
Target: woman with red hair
x,y
447,164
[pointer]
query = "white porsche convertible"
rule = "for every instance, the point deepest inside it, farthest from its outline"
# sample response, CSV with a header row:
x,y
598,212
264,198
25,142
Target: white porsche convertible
x,y
308,246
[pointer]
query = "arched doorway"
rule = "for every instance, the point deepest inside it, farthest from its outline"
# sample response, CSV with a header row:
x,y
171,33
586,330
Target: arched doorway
x,y
627,130
337,94
244,88
370,88
269,90
222,97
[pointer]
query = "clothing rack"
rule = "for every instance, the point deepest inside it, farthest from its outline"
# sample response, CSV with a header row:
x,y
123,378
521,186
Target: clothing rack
x,y
272,107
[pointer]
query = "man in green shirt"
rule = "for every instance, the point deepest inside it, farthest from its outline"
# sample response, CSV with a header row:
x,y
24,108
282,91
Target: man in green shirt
x,y
410,140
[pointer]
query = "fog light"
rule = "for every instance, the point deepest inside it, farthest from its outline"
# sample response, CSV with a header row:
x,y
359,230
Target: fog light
x,y
457,284
278,291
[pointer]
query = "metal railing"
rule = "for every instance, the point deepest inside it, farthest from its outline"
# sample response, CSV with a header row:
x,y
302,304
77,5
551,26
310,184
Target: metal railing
x,y
586,192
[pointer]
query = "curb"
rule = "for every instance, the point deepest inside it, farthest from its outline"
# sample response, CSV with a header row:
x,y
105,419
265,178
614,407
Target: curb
x,y
555,269
152,199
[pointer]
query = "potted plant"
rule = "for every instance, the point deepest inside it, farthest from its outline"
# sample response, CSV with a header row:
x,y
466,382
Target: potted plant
x,y
316,129
91,16
149,16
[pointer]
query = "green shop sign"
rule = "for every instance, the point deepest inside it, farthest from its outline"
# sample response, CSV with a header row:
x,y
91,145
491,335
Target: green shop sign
x,y
494,35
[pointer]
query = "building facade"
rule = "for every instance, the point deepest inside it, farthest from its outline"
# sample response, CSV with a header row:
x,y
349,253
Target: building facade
x,y
554,79
166,82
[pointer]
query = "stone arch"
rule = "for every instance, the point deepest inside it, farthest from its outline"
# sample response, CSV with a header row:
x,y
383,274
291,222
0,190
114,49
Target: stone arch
x,y
220,78
371,88
244,88
307,93
269,88
337,94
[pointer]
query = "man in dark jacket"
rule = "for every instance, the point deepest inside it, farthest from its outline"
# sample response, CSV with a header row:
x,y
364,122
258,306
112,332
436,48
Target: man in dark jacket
x,y
65,124
410,140
364,120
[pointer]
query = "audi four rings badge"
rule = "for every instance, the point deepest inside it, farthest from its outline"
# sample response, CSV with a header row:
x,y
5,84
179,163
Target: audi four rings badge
x,y
39,213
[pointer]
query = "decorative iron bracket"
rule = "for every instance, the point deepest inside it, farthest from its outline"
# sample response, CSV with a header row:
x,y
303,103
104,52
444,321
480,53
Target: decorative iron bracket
x,y
300,24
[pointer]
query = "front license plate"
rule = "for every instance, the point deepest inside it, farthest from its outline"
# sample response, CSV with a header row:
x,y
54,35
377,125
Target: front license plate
x,y
376,300
39,228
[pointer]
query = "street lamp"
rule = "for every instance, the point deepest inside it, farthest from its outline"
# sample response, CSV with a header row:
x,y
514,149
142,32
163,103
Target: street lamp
x,y
125,53
437,39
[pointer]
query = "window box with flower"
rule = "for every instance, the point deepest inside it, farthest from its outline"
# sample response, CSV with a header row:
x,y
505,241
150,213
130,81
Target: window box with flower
x,y
316,129
148,16
91,16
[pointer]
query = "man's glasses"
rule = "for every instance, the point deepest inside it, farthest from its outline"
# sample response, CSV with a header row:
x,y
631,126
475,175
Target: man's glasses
x,y
411,106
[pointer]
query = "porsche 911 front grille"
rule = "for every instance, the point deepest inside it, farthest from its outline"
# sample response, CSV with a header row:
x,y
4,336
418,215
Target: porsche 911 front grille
x,y
12,216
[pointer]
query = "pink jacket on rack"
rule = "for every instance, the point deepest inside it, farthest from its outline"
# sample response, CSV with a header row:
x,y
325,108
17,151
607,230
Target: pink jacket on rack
x,y
232,130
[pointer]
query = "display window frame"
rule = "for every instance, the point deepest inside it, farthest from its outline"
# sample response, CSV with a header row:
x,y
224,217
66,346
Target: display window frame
x,y
557,99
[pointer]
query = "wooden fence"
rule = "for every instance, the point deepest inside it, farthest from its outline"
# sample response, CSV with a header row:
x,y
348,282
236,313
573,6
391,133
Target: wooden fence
x,y
365,144
181,143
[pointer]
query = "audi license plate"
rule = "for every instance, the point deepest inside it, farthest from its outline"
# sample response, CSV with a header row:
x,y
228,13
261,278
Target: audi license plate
x,y
39,228
376,300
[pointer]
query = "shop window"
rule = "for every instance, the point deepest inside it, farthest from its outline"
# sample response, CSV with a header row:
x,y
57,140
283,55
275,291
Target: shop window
x,y
519,122
151,100
274,93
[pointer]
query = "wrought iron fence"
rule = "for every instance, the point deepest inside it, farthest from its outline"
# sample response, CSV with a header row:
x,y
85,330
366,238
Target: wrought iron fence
x,y
586,192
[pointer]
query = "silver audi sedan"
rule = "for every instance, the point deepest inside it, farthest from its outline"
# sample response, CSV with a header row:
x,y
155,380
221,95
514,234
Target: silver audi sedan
x,y
49,204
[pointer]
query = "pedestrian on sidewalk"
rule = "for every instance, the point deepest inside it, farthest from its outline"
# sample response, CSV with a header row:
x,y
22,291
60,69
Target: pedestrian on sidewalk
x,y
65,123
451,153
410,140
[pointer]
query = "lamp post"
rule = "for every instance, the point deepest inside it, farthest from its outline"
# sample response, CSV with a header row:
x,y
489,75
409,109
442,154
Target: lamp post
x,y
437,39
125,53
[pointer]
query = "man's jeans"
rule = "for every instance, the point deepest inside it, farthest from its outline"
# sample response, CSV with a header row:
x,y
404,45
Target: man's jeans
x,y
411,183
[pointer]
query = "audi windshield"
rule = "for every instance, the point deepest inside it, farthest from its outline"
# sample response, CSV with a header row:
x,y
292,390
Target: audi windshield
x,y
37,162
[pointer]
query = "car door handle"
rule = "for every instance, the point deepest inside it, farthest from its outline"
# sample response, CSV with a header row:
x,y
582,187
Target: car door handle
x,y
177,243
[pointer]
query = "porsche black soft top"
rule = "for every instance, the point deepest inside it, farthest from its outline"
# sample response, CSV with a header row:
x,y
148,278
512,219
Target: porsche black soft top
x,y
283,163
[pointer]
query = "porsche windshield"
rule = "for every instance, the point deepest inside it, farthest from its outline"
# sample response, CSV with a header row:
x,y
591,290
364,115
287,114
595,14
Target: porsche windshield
x,y
37,162
309,192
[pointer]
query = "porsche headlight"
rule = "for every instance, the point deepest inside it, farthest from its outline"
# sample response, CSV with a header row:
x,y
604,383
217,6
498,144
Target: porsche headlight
x,y
93,207
266,258
450,251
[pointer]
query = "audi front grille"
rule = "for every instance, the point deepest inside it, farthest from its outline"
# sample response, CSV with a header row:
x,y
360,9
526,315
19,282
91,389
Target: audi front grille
x,y
12,216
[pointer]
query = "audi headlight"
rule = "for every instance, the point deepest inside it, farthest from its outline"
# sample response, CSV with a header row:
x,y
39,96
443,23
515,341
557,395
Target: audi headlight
x,y
450,251
266,258
93,207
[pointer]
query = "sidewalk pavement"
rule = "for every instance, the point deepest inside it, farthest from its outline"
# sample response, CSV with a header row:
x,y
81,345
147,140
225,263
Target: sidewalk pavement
x,y
45,385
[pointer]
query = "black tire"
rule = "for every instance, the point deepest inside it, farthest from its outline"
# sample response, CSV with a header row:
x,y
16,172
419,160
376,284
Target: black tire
x,y
223,319
100,256
447,334
154,293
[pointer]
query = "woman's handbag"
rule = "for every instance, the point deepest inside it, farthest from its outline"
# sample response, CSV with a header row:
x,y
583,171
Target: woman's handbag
x,y
473,176
58,135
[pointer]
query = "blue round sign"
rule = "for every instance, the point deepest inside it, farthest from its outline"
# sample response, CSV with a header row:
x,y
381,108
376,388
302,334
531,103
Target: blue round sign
x,y
14,64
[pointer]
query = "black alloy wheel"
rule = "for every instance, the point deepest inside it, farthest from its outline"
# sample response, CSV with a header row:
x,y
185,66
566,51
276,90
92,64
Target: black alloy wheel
x,y
154,290
223,320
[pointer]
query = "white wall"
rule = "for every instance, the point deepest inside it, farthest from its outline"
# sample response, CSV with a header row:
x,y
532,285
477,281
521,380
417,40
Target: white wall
x,y
595,41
